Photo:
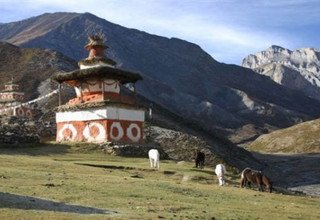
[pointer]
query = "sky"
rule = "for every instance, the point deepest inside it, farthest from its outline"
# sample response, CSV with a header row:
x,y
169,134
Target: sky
x,y
228,30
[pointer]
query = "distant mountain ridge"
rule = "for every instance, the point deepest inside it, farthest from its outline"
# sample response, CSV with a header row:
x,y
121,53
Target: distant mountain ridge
x,y
179,75
298,69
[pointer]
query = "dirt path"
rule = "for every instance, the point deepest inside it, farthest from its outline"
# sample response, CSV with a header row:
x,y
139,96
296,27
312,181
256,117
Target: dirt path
x,y
296,172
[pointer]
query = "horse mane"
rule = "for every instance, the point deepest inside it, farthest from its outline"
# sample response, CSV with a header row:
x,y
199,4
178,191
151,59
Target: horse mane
x,y
242,173
256,171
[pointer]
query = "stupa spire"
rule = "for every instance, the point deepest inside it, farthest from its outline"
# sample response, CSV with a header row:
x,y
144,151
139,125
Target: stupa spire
x,y
96,57
96,47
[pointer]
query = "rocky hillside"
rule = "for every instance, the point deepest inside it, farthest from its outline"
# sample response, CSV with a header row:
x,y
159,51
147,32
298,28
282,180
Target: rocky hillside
x,y
298,69
301,138
31,68
179,138
226,99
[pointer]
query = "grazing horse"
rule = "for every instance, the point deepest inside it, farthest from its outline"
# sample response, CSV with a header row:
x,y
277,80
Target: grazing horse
x,y
220,171
249,176
154,158
200,158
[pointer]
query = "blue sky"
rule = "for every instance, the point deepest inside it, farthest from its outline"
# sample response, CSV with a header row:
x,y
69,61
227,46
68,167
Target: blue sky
x,y
228,30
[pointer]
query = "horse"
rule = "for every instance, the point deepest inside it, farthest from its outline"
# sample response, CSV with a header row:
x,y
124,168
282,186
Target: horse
x,y
220,171
200,158
154,158
249,176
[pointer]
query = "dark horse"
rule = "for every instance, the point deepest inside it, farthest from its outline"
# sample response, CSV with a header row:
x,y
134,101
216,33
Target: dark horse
x,y
249,176
200,158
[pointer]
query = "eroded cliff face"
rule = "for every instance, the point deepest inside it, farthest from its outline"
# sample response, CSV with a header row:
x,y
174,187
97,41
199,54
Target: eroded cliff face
x,y
298,69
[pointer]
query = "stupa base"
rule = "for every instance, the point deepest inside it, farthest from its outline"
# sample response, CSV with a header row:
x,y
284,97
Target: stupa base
x,y
111,124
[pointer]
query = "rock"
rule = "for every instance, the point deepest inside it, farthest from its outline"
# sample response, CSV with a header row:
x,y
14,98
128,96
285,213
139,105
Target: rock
x,y
298,69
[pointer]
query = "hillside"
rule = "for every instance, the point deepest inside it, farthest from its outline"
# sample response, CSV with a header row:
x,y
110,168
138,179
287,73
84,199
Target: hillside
x,y
301,138
31,68
230,100
298,69
180,138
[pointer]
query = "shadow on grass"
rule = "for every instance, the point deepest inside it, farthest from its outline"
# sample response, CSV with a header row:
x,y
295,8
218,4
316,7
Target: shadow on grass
x,y
35,149
165,172
203,171
8,200
114,167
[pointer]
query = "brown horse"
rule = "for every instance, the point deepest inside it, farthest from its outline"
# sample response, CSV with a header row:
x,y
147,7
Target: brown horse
x,y
249,176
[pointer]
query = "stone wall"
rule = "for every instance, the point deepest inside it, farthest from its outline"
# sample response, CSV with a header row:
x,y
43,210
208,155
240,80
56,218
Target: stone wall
x,y
132,150
15,130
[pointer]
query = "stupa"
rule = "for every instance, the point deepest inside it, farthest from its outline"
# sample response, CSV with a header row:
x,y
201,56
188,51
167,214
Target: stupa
x,y
99,112
10,97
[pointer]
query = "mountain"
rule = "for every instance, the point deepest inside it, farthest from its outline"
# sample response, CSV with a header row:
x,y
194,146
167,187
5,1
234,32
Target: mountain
x,y
301,138
32,69
224,99
298,69
37,26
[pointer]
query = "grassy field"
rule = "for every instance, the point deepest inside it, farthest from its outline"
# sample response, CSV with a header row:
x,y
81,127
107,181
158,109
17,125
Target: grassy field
x,y
80,182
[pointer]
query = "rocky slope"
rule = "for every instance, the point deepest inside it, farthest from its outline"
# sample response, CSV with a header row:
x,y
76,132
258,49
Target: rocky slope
x,y
298,69
31,68
179,138
301,138
179,75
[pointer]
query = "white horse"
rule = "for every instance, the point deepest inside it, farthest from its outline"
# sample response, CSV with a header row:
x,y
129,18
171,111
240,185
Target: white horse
x,y
220,171
154,158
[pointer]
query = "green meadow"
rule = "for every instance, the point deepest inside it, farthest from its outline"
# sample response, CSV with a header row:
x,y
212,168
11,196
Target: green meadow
x,y
52,181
